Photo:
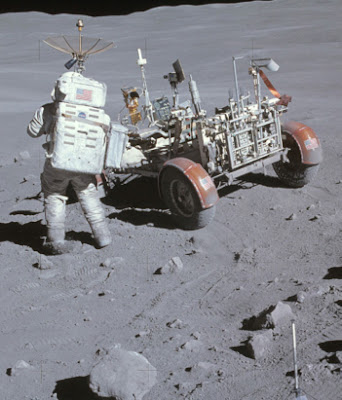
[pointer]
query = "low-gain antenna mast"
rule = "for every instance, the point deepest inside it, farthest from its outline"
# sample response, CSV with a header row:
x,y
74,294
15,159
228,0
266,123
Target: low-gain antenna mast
x,y
79,47
148,106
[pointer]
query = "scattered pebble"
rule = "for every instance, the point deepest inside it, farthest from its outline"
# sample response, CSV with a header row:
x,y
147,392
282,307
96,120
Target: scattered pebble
x,y
177,323
191,345
112,262
22,156
142,333
174,265
43,263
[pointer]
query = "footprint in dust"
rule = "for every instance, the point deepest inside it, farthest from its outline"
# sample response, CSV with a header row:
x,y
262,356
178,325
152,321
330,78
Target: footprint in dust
x,y
334,273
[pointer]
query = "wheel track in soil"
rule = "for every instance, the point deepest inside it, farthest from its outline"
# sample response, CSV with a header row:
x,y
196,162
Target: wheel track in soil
x,y
70,288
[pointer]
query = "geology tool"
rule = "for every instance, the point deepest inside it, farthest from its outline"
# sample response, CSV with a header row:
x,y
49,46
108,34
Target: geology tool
x,y
79,47
298,391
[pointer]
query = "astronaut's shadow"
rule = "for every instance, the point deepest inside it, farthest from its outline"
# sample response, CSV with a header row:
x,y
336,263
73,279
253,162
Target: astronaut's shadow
x,y
29,234
32,234
137,201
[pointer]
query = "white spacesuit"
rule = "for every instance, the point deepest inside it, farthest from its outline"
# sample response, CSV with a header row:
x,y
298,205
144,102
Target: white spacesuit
x,y
55,182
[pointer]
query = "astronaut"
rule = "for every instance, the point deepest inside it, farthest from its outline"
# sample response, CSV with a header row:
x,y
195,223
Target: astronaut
x,y
54,187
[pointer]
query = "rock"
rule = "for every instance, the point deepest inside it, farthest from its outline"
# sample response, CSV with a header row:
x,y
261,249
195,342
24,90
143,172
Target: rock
x,y
300,296
281,314
339,356
207,366
142,333
22,156
274,316
292,217
191,345
259,345
247,255
43,263
112,262
177,323
124,375
19,366
174,265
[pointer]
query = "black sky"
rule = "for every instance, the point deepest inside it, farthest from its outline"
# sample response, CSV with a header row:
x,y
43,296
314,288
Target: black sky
x,y
99,7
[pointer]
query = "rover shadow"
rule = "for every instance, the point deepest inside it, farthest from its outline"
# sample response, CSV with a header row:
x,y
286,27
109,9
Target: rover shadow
x,y
249,181
136,192
75,389
264,180
157,218
138,202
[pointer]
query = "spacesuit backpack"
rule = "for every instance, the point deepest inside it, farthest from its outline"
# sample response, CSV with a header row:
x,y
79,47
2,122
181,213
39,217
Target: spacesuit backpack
x,y
80,130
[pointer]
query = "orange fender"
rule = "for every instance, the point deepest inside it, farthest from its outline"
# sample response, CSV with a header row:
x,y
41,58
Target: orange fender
x,y
198,176
307,141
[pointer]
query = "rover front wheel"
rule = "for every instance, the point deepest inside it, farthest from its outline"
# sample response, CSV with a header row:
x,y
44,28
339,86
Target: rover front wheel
x,y
181,198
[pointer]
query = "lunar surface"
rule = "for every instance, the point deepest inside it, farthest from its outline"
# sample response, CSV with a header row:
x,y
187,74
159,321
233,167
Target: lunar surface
x,y
218,324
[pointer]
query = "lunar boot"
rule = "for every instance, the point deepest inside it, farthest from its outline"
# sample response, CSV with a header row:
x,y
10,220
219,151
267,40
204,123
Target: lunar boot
x,y
94,213
55,216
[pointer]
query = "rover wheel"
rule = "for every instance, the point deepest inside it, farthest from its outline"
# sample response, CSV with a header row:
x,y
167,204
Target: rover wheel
x,y
181,198
294,173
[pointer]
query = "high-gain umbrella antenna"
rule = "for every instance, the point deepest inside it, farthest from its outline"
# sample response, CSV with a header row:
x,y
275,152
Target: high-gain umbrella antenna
x,y
79,47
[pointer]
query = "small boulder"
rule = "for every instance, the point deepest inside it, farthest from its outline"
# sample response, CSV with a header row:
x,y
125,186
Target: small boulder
x,y
122,374
259,345
273,317
19,367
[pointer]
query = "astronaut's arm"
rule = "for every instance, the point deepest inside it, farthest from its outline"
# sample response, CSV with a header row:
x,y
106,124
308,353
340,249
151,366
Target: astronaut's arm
x,y
36,126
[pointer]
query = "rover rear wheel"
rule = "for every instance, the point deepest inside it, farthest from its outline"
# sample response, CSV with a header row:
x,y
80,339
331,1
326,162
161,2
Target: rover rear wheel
x,y
181,198
294,173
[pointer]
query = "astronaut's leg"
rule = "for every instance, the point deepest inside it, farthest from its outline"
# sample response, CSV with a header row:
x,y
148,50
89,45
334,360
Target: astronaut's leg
x,y
54,185
93,211
55,216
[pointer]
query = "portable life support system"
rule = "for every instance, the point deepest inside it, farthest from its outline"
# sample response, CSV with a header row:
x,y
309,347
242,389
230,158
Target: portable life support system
x,y
83,138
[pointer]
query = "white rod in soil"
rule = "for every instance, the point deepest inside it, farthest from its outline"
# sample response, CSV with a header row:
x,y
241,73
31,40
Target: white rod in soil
x,y
295,356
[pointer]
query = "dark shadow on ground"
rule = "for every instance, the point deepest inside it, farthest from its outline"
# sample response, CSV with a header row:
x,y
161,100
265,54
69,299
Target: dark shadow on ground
x,y
242,349
334,273
32,234
331,346
140,204
264,180
75,389
157,218
29,234
249,181
135,192
25,212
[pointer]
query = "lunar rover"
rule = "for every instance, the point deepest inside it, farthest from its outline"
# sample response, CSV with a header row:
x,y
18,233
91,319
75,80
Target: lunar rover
x,y
193,155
